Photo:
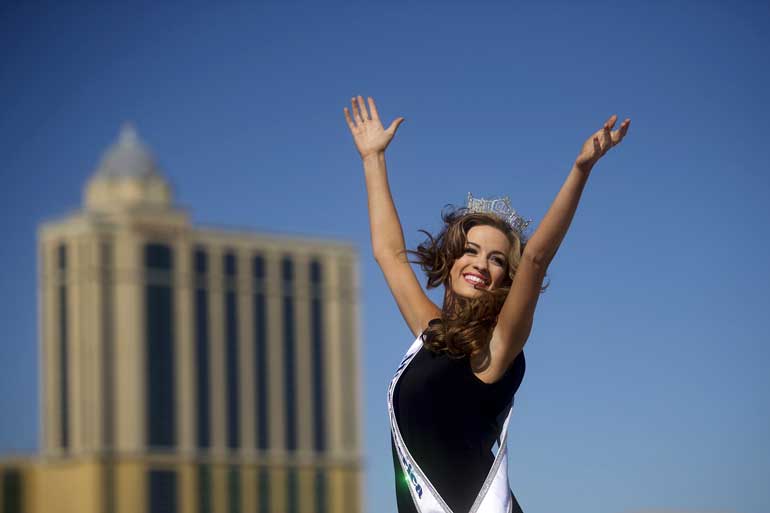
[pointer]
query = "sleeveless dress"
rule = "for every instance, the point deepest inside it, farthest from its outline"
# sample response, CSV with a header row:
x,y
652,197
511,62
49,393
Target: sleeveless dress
x,y
449,420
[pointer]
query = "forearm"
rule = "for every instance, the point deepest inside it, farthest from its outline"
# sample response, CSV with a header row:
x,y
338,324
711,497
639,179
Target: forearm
x,y
385,227
544,243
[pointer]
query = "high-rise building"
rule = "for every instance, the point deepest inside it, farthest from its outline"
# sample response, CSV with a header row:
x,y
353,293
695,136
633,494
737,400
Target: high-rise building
x,y
189,369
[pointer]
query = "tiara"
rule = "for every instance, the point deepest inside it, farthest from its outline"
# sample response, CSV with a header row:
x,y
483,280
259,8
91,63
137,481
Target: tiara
x,y
501,207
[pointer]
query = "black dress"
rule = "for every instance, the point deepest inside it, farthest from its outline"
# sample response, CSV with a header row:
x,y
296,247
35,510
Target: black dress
x,y
449,422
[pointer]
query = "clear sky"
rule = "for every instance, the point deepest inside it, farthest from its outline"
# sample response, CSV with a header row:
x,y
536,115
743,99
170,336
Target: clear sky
x,y
647,385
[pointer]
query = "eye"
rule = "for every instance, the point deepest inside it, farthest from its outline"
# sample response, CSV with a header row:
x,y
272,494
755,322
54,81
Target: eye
x,y
499,261
470,250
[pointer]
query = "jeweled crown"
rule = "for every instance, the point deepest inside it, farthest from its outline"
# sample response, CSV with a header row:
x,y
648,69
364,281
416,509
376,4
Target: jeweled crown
x,y
501,207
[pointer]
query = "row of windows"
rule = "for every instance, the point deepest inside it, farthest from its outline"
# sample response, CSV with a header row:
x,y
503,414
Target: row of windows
x,y
162,491
159,337
64,346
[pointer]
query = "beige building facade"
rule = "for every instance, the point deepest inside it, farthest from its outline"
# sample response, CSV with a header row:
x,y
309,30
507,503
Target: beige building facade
x,y
188,369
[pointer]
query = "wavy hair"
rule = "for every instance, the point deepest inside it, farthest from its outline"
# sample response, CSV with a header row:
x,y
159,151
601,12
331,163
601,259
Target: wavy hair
x,y
466,324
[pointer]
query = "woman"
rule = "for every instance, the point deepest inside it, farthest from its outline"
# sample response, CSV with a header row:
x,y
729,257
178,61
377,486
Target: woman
x,y
452,395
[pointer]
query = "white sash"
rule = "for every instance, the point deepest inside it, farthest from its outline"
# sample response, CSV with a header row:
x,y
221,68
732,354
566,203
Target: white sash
x,y
494,496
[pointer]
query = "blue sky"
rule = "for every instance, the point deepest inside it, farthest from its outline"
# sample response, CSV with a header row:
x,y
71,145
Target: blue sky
x,y
646,384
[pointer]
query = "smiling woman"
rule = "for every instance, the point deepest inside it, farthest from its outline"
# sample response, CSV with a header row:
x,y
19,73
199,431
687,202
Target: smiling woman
x,y
475,257
452,396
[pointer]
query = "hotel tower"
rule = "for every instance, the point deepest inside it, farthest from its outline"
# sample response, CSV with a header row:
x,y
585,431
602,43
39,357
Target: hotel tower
x,y
188,369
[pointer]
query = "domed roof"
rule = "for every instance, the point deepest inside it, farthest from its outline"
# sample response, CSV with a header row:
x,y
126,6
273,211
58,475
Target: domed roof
x,y
129,157
127,176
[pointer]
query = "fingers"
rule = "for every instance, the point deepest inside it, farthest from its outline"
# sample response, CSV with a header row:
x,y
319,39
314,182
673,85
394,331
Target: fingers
x,y
360,114
620,133
362,109
394,126
356,114
624,127
351,125
373,109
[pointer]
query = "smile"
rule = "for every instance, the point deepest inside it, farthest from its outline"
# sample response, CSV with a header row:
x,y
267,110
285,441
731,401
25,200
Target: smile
x,y
475,279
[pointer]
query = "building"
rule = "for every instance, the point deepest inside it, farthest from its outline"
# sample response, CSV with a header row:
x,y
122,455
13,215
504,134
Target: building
x,y
188,369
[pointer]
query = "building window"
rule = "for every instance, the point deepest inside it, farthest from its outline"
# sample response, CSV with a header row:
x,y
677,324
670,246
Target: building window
x,y
12,491
108,356
159,346
263,486
317,356
162,491
234,489
320,491
260,352
287,268
64,438
108,482
200,261
347,293
108,373
292,491
231,350
204,489
202,379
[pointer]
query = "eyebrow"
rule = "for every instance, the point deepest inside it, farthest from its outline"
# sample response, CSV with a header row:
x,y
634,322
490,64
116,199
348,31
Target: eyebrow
x,y
491,252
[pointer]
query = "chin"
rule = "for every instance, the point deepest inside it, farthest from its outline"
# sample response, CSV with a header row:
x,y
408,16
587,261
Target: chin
x,y
467,292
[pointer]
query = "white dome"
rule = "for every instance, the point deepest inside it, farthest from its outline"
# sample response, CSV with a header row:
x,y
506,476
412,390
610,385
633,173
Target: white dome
x,y
127,176
128,157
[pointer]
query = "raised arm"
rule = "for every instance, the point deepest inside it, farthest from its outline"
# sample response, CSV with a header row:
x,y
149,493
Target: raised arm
x,y
516,317
544,243
388,245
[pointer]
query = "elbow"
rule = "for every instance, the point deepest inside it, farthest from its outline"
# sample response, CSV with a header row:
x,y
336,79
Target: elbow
x,y
379,253
379,258
539,259
386,254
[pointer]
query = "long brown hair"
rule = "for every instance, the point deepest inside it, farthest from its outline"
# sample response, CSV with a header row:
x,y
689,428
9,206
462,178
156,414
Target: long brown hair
x,y
466,324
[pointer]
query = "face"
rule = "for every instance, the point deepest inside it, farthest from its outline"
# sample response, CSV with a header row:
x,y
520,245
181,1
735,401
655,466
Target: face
x,y
484,262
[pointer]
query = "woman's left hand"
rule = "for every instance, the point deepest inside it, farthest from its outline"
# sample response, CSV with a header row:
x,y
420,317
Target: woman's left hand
x,y
600,142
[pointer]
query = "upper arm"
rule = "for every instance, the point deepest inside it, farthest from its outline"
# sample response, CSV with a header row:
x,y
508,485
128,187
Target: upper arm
x,y
514,323
415,306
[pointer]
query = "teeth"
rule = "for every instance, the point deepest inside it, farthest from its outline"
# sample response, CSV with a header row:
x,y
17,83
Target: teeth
x,y
474,279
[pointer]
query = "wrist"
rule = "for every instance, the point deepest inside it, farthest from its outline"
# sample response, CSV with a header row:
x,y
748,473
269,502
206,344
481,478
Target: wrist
x,y
373,156
584,167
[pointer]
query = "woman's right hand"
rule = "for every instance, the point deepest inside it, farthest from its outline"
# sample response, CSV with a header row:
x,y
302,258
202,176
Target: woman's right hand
x,y
368,134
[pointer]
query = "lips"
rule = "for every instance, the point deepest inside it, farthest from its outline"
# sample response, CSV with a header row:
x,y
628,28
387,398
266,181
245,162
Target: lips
x,y
475,279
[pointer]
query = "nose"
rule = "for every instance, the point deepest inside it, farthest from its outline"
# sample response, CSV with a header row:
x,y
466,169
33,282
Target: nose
x,y
481,266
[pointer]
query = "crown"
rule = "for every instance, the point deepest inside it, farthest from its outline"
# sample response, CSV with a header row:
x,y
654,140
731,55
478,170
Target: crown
x,y
501,207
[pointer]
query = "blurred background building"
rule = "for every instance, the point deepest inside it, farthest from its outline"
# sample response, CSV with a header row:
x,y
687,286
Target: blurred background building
x,y
187,369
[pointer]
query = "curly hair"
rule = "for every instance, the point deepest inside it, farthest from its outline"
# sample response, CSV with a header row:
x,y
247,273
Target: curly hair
x,y
466,324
